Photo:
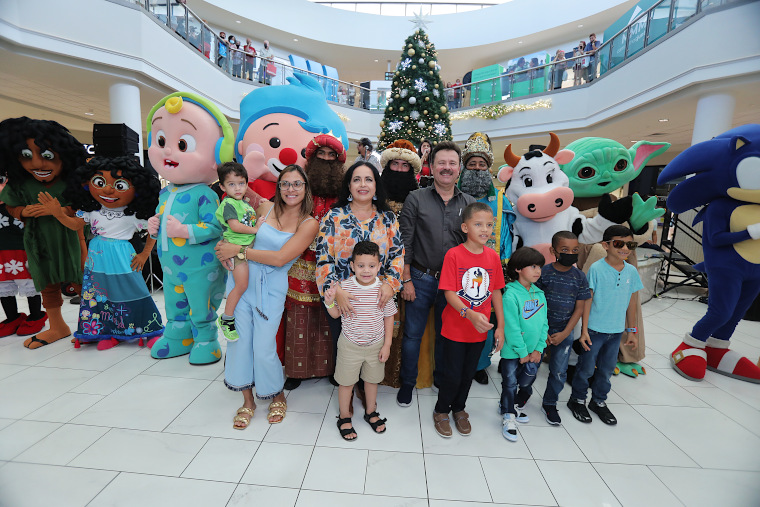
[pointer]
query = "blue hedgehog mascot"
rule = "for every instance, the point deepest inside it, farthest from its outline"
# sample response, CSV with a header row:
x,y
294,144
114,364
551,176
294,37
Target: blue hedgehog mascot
x,y
726,181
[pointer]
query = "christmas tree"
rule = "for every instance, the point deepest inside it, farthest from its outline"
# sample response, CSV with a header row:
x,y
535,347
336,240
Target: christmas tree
x,y
417,104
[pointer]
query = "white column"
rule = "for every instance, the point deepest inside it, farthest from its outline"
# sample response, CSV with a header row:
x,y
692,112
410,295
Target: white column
x,y
713,116
124,100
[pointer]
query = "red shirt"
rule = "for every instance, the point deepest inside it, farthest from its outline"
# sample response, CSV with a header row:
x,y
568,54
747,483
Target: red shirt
x,y
473,277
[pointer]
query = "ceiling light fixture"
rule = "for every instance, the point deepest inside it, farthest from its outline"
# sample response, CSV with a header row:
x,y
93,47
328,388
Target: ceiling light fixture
x,y
662,120
580,26
89,113
295,40
519,42
377,60
238,21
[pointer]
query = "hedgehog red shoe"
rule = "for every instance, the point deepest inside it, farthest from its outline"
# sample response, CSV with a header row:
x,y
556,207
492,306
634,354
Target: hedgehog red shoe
x,y
725,361
32,326
10,327
690,359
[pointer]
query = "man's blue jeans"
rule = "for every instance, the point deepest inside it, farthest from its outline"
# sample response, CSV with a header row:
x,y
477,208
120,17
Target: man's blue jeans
x,y
416,315
558,355
602,356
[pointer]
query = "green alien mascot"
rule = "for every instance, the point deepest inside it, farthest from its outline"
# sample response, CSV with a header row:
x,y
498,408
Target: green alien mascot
x,y
601,166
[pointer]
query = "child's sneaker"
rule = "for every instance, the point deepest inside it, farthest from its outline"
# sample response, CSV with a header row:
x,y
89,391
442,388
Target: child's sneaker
x,y
578,408
404,396
552,416
603,412
228,329
509,427
521,416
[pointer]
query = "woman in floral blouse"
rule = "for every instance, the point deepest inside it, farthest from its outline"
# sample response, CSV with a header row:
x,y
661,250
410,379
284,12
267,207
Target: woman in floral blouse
x,y
360,214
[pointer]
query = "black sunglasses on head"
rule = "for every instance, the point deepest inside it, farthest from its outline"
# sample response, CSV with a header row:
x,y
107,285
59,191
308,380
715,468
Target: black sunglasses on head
x,y
619,243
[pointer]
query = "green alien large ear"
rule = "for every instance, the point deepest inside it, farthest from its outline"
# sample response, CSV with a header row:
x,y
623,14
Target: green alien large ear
x,y
643,151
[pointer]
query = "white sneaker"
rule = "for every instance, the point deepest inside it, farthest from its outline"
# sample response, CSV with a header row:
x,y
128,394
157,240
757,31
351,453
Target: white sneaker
x,y
509,427
521,417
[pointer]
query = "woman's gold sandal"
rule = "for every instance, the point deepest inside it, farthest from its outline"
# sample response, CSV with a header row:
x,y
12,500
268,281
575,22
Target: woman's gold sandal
x,y
277,408
242,419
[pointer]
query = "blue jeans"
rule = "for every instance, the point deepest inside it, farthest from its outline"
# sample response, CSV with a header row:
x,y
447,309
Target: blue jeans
x,y
416,314
558,355
602,356
510,370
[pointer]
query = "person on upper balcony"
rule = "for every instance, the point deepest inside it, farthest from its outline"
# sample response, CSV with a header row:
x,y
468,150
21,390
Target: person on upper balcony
x,y
266,57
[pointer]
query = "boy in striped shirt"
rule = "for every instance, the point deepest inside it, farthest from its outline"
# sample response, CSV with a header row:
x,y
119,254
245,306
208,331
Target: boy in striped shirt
x,y
365,340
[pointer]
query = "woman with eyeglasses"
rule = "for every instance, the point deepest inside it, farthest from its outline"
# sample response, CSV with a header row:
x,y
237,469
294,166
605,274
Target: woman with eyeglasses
x,y
360,214
286,230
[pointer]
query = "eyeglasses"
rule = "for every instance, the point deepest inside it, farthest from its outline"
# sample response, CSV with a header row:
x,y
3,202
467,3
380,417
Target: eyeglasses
x,y
119,185
619,243
297,185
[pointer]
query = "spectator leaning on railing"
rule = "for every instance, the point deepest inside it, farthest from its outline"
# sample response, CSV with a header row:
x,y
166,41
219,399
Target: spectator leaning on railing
x,y
591,49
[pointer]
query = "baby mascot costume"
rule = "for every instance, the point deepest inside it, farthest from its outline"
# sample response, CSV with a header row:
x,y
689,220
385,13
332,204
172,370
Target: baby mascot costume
x,y
188,137
726,181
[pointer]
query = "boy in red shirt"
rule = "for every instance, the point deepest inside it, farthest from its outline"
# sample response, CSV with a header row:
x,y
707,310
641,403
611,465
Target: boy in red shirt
x,y
471,278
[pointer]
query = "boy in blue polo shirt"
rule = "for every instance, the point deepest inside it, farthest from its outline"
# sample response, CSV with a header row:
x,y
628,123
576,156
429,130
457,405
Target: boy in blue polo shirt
x,y
611,313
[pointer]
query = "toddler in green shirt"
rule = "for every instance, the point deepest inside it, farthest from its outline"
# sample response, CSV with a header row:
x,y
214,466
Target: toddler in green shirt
x,y
238,220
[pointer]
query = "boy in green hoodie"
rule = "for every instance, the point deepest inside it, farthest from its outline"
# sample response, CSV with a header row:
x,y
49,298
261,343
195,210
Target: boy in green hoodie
x,y
526,329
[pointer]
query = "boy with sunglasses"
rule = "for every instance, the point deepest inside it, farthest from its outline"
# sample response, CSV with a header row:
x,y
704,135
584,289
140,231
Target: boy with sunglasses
x,y
607,320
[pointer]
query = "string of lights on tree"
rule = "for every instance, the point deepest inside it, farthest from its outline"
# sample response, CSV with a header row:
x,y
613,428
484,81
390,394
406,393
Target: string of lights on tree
x,y
417,104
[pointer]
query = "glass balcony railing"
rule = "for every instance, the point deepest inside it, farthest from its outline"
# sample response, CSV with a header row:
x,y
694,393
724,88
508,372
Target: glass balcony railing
x,y
651,25
662,18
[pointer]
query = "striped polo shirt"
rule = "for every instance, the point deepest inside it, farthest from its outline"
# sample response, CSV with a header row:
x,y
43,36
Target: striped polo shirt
x,y
366,327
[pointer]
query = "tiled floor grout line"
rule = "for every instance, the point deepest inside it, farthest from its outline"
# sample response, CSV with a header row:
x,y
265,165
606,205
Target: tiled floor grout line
x,y
649,467
103,488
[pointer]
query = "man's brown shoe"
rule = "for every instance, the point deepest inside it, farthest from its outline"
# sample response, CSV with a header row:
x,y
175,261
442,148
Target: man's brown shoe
x,y
462,422
442,426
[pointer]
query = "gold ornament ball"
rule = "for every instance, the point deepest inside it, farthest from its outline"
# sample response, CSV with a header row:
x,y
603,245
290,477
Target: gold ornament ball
x,y
414,67
431,64
406,118
427,99
390,108
443,109
422,54
410,45
417,31
425,111
382,124
431,72
436,117
409,131
402,108
430,127
395,96
436,85
435,142
411,51
395,83
398,72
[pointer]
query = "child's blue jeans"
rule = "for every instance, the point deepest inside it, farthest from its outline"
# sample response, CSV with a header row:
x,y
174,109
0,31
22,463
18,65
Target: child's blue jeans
x,y
510,371
602,356
558,356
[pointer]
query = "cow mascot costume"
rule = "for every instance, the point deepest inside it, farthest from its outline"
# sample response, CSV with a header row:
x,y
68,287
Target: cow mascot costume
x,y
542,199
188,137
725,179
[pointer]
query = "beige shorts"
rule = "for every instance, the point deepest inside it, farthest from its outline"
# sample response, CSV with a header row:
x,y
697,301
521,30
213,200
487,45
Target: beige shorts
x,y
353,358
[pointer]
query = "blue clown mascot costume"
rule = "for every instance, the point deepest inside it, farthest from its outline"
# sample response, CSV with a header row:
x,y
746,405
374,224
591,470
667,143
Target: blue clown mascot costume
x,y
188,137
726,181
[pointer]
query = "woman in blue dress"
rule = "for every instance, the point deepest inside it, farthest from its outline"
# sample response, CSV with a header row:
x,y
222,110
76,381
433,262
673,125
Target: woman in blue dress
x,y
287,229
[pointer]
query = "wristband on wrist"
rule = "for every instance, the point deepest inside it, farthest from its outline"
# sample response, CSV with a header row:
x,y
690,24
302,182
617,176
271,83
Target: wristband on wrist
x,y
331,305
463,312
631,330
406,281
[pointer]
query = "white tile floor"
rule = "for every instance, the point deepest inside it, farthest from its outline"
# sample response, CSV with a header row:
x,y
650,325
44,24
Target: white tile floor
x,y
89,428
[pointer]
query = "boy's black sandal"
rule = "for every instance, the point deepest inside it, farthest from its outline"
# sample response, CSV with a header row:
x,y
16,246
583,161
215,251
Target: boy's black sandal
x,y
377,423
603,412
579,411
344,432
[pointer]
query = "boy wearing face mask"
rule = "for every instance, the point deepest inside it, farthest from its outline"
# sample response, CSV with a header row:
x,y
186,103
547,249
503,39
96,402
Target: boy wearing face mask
x,y
567,291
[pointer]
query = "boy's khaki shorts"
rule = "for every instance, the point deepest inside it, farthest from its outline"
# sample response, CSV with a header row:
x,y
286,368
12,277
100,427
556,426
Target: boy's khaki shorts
x,y
353,358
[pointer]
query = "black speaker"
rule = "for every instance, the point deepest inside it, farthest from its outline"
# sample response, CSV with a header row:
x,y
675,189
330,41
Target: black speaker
x,y
114,140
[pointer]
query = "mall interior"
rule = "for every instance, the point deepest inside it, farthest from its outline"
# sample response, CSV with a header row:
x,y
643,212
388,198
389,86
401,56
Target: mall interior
x,y
83,427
